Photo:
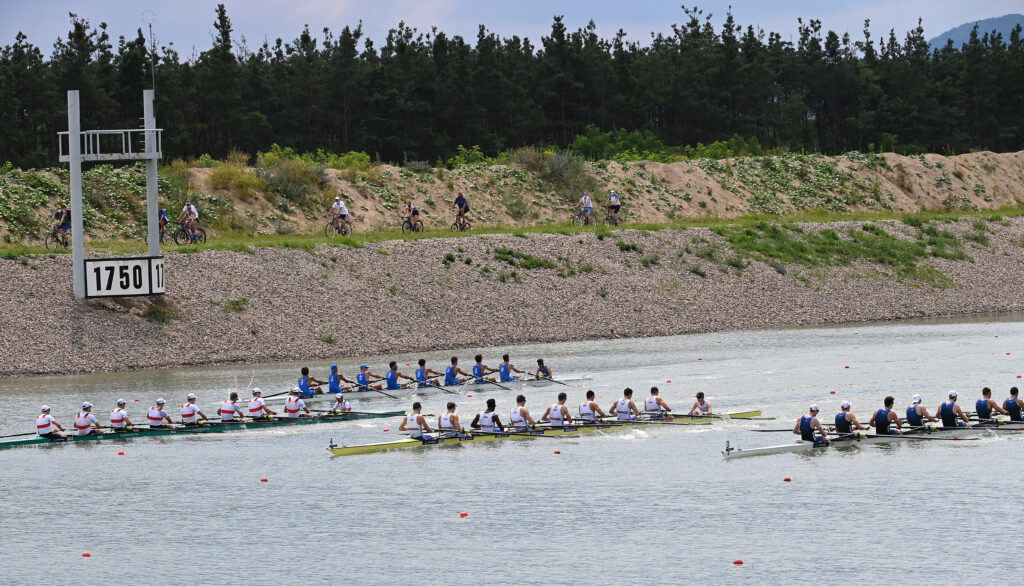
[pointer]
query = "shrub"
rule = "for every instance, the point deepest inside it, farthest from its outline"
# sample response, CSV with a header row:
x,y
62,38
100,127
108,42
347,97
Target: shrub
x,y
237,304
464,157
418,166
205,161
225,176
628,247
522,259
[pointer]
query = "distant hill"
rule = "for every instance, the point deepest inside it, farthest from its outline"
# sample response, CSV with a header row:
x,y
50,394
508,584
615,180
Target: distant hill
x,y
962,33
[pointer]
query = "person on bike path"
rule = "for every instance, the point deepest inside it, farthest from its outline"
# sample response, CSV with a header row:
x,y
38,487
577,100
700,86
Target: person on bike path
x,y
61,220
163,218
614,205
586,206
190,215
461,207
410,213
338,211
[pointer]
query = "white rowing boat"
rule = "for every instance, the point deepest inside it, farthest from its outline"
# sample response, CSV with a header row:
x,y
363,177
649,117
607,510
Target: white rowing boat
x,y
572,381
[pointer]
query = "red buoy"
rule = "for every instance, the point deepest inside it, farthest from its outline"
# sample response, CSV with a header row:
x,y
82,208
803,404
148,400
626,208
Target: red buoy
x,y
264,479
86,554
787,479
386,429
120,453
231,376
469,395
463,514
668,381
847,366
700,359
738,562
136,400
1007,353
831,392
558,451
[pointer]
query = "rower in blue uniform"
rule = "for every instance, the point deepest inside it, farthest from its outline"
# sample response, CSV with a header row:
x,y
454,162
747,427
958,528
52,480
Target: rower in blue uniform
x,y
846,421
543,371
393,375
335,379
986,405
917,414
426,376
481,370
451,374
1013,405
951,414
505,370
885,417
808,424
365,379
310,385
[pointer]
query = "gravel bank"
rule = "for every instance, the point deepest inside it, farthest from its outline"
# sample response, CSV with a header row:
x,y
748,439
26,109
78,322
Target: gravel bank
x,y
402,296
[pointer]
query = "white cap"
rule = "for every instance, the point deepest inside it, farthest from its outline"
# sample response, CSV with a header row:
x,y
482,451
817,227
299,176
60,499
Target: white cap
x,y
86,405
952,394
45,408
916,398
257,392
296,390
160,401
122,402
814,407
191,396
844,405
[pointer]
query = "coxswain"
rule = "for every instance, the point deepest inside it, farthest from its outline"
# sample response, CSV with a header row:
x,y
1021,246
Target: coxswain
x,y
808,424
481,370
310,385
426,376
590,410
365,378
487,420
655,406
190,412
449,421
558,415
625,409
846,421
519,417
505,370
917,414
45,425
294,404
1013,405
986,405
341,405
157,416
393,375
951,413
882,418
119,420
543,370
415,423
229,408
85,422
335,379
700,406
258,407
452,372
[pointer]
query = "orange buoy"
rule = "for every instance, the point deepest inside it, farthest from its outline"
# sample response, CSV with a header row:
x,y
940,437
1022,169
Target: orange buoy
x,y
787,479
86,554
120,453
264,479
737,562
463,514
136,400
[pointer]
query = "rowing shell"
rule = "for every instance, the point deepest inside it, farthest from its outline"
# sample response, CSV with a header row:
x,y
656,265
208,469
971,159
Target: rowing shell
x,y
531,382
215,427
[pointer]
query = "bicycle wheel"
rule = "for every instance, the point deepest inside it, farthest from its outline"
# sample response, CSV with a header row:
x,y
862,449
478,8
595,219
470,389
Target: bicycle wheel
x,y
577,220
419,226
180,237
200,236
407,227
455,226
345,230
51,241
466,225
330,230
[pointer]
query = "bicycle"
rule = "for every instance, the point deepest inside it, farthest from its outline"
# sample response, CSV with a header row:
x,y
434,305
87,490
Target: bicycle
x,y
410,225
184,235
457,227
609,218
333,229
581,219
57,238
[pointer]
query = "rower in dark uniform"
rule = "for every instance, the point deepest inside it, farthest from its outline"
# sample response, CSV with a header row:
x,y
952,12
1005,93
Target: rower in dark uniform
x,y
883,418
808,424
986,405
917,414
1013,405
951,413
846,421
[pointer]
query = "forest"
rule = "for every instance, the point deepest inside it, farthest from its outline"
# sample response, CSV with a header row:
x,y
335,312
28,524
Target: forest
x,y
419,95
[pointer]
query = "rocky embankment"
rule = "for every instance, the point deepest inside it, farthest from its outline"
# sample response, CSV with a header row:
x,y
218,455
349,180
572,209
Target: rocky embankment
x,y
336,302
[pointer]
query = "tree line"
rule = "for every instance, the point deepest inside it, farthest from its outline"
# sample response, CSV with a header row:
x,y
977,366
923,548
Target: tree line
x,y
421,94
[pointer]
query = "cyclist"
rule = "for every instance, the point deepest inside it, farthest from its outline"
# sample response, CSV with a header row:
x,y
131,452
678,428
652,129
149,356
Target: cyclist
x,y
410,213
462,208
338,211
163,218
61,220
586,206
614,205
190,216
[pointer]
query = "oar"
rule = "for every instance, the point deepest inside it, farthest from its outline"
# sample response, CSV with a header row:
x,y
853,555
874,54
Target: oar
x,y
490,382
277,394
22,434
369,388
547,378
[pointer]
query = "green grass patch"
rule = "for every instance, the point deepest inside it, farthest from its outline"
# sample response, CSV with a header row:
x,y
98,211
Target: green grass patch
x,y
628,247
521,259
237,304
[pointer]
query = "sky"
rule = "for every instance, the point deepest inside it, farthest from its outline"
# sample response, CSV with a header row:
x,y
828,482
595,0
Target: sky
x,y
188,24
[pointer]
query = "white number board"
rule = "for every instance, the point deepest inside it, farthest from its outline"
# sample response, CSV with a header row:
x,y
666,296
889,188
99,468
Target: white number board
x,y
122,277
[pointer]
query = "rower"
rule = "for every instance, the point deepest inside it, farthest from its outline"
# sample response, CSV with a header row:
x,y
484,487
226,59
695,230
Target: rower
x,y
881,419
364,380
487,420
157,416
415,423
310,385
258,407
190,412
341,405
505,370
590,410
986,405
558,414
543,371
846,421
425,375
451,374
119,417
656,407
808,424
917,413
294,404
700,406
85,422
335,379
393,375
449,421
228,409
481,370
951,414
625,409
519,416
45,425
1013,405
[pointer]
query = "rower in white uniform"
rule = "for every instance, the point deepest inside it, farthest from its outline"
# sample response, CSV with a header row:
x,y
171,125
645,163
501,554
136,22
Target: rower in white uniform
x,y
487,420
655,406
258,407
47,426
558,414
119,420
294,404
590,410
157,416
625,409
85,422
190,412
229,409
700,406
519,416
341,405
415,422
449,421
